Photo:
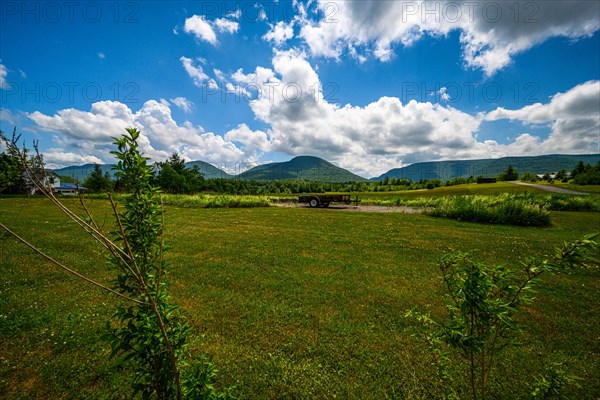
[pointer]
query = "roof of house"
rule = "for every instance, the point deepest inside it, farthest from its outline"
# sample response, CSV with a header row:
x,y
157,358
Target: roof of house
x,y
65,185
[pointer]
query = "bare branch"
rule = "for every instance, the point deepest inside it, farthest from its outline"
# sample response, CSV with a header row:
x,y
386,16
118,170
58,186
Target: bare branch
x,y
130,254
69,270
162,242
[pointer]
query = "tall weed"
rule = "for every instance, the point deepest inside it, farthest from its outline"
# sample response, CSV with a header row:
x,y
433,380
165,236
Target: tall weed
x,y
216,201
505,209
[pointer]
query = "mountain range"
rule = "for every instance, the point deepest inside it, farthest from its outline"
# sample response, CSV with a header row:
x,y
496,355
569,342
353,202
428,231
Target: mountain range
x,y
80,172
317,169
491,167
208,170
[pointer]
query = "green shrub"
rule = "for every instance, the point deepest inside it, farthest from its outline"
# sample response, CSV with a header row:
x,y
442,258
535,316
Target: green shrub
x,y
561,202
505,209
216,201
553,384
529,177
483,304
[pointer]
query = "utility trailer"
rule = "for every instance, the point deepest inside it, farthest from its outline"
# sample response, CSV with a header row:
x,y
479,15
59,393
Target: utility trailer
x,y
323,200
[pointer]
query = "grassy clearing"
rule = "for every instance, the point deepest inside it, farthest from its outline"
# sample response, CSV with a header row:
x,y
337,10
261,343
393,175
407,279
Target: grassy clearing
x,y
292,303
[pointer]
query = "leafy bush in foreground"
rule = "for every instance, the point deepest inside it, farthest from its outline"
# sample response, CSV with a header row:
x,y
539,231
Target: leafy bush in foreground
x,y
482,324
149,333
505,209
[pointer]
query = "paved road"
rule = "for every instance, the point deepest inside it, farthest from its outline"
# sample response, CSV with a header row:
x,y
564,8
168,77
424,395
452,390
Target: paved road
x,y
552,189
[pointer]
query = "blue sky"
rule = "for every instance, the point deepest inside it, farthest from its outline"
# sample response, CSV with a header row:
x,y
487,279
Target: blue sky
x,y
369,85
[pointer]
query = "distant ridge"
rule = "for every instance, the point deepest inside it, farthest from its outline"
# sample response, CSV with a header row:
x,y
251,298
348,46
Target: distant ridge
x,y
302,167
446,170
80,172
319,170
209,171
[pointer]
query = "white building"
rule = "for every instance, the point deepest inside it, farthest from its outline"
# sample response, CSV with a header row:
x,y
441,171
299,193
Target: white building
x,y
52,180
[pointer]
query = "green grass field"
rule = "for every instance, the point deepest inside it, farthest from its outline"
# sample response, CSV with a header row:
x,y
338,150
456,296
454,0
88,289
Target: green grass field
x,y
292,303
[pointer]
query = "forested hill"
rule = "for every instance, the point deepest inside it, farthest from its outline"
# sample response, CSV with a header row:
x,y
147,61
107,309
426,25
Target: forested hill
x,y
303,167
81,172
209,171
446,170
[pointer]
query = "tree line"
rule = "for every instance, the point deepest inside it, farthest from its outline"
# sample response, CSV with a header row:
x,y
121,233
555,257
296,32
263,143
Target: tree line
x,y
582,174
173,176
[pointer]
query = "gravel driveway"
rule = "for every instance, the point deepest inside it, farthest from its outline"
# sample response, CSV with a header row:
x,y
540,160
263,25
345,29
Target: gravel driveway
x,y
549,188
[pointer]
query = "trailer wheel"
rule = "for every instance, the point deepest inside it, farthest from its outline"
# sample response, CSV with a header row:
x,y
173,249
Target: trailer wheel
x,y
314,202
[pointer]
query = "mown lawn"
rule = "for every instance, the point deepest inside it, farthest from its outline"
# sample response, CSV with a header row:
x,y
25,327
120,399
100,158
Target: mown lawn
x,y
292,303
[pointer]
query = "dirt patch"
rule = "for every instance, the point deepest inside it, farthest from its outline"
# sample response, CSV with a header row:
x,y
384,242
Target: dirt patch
x,y
351,208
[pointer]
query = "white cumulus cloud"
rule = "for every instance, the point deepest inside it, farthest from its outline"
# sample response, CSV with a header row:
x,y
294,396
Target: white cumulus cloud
x,y
574,118
253,142
194,71
3,74
57,158
237,14
204,29
443,92
198,26
279,32
491,32
226,25
183,104
105,120
11,118
88,134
